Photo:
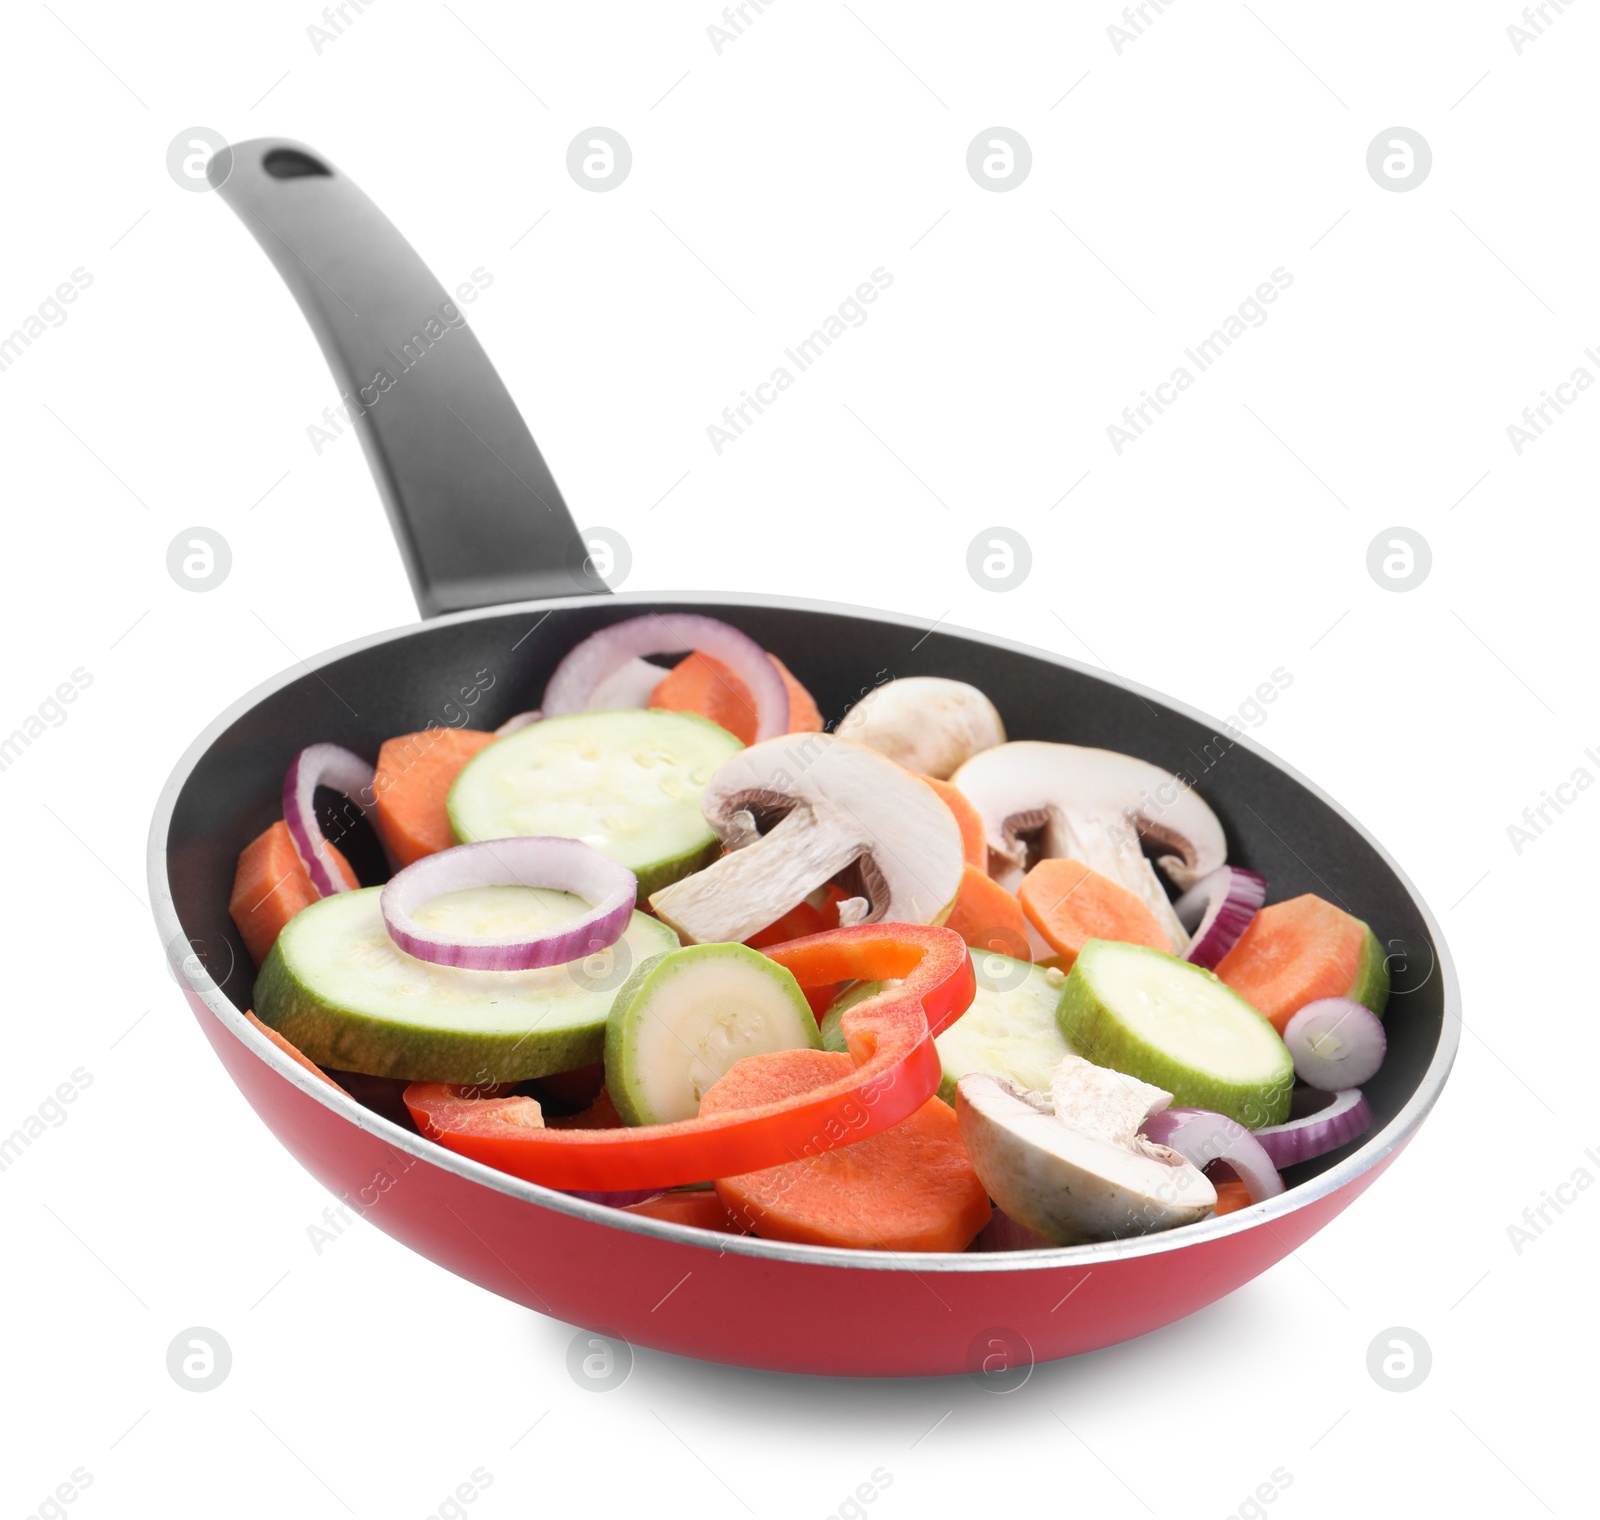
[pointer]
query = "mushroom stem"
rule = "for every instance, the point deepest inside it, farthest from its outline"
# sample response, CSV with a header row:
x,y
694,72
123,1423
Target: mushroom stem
x,y
732,898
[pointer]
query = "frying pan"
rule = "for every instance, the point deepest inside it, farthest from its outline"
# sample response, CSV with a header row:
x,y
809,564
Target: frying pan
x,y
502,581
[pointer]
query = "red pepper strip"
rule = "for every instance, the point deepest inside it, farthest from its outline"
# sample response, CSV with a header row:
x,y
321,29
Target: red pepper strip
x,y
890,1037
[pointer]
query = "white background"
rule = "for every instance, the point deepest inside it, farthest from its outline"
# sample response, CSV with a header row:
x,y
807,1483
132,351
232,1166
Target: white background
x,y
1167,182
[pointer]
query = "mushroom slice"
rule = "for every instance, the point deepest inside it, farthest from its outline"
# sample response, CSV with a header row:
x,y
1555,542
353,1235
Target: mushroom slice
x,y
925,723
1078,1170
796,811
1094,805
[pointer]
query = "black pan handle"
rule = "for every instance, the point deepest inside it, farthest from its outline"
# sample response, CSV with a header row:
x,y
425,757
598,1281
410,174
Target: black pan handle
x,y
472,502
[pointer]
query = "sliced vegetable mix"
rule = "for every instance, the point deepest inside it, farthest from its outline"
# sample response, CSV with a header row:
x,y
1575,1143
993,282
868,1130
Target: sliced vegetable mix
x,y
666,943
894,1070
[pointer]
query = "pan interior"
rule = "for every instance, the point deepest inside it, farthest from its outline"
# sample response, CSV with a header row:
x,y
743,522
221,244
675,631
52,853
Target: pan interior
x,y
476,670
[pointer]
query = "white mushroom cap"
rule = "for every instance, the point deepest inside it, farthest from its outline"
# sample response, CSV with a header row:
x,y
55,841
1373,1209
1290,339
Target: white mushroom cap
x,y
926,723
1077,1170
1094,805
796,811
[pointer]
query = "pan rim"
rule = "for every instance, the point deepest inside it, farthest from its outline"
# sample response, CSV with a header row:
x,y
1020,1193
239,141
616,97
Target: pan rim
x,y
200,985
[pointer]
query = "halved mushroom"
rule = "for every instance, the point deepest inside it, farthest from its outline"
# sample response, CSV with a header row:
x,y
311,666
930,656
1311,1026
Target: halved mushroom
x,y
925,723
797,811
1073,1167
1042,800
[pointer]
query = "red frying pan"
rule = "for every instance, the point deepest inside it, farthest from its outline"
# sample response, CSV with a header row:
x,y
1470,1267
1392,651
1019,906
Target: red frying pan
x,y
504,585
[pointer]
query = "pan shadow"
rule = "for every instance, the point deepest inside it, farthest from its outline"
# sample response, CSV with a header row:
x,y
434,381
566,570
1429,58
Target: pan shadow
x,y
802,1399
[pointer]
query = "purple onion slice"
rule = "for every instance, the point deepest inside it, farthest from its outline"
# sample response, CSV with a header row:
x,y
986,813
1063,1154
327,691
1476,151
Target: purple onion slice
x,y
1337,1043
317,765
1217,909
1202,1137
561,865
1338,1122
590,665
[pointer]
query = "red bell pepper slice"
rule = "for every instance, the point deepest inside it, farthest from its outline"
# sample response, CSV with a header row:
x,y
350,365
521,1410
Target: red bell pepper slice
x,y
890,1038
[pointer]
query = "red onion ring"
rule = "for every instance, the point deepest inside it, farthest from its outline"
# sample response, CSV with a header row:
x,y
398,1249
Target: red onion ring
x,y
562,865
1201,1137
317,765
603,654
1314,1134
1337,1043
631,684
1217,909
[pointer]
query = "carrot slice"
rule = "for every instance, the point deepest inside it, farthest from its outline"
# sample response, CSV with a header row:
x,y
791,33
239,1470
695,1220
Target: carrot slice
x,y
270,886
1069,905
414,774
974,842
988,917
1298,951
908,1188
700,684
1231,1195
293,1052
701,1207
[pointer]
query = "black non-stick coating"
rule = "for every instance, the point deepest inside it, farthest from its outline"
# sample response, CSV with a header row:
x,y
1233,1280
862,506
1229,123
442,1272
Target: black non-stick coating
x,y
501,661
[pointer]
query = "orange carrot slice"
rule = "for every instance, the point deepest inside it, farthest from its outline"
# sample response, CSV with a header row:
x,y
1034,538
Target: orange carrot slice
x,y
1298,951
988,917
700,684
270,886
1069,905
414,774
1231,1195
974,842
293,1052
908,1188
701,1207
